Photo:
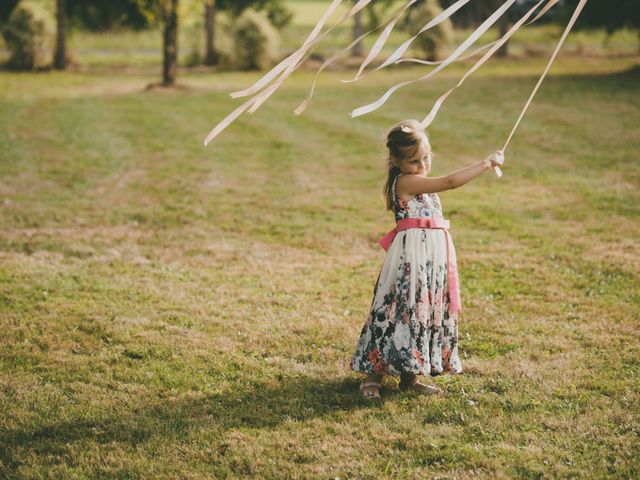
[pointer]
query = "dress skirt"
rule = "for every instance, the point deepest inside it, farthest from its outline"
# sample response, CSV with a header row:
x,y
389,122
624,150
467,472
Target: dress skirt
x,y
409,328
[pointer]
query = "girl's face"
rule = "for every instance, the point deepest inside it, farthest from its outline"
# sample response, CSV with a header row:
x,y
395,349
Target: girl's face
x,y
420,163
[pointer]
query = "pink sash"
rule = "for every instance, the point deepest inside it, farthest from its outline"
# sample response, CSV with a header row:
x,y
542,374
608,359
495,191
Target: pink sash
x,y
452,272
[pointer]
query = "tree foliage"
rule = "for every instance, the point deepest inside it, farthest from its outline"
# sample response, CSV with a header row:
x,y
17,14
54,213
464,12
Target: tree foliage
x,y
28,34
6,7
104,15
100,15
605,14
474,13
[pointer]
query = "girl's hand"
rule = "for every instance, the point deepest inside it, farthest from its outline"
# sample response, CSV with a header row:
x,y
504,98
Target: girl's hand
x,y
496,159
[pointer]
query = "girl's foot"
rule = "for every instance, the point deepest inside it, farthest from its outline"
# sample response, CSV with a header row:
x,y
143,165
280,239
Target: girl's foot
x,y
412,383
370,386
370,389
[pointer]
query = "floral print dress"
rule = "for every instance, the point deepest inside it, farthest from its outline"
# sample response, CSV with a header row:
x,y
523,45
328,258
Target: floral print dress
x,y
409,328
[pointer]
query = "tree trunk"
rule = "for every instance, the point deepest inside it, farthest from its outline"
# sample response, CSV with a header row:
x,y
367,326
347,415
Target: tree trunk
x,y
60,56
211,56
505,25
170,44
356,51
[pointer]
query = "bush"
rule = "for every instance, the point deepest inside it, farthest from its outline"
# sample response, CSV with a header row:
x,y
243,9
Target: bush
x,y
28,34
279,15
256,41
433,40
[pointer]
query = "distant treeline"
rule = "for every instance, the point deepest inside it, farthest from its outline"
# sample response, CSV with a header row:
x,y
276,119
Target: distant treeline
x,y
101,15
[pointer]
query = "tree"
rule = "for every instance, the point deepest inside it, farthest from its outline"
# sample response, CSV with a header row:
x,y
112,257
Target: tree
x,y
166,12
60,56
169,42
356,51
211,56
504,24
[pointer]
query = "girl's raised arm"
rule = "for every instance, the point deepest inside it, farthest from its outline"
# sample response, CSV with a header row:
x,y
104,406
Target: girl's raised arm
x,y
416,184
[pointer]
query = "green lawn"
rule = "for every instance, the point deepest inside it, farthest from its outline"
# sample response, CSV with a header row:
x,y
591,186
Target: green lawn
x,y
170,310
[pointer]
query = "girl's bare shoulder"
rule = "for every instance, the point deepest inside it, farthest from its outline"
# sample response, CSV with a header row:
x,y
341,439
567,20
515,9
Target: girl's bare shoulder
x,y
410,184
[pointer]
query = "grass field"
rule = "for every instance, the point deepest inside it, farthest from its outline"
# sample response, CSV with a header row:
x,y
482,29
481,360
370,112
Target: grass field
x,y
174,311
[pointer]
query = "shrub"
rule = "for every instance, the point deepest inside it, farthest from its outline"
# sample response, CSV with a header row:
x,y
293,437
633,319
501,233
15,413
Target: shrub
x,y
279,15
256,41
28,34
225,45
433,40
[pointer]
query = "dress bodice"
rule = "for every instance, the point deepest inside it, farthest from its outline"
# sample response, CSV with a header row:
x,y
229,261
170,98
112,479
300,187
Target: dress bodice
x,y
418,206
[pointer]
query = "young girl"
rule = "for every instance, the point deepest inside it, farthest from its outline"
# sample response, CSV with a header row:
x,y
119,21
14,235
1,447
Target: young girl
x,y
412,327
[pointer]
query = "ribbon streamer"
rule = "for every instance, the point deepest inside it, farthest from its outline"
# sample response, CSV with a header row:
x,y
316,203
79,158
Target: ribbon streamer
x,y
262,97
568,28
293,61
391,21
483,47
380,42
227,121
463,47
434,110
284,68
438,62
403,48
256,87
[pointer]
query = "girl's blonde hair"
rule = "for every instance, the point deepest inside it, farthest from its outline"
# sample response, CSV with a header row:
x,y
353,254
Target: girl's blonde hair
x,y
403,141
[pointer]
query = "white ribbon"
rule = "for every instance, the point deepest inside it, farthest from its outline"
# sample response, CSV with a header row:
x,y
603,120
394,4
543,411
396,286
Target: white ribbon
x,y
263,96
434,110
380,42
403,48
392,20
294,60
295,63
256,87
458,51
479,49
573,19
225,123
438,62
285,67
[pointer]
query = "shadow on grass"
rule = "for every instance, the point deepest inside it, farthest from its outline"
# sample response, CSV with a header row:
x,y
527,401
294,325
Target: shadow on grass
x,y
248,405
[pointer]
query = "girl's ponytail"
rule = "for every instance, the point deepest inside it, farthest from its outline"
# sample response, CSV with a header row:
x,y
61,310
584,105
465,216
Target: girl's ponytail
x,y
392,173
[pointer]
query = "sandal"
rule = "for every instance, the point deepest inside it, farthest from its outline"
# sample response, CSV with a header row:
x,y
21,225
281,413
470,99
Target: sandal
x,y
370,394
420,387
